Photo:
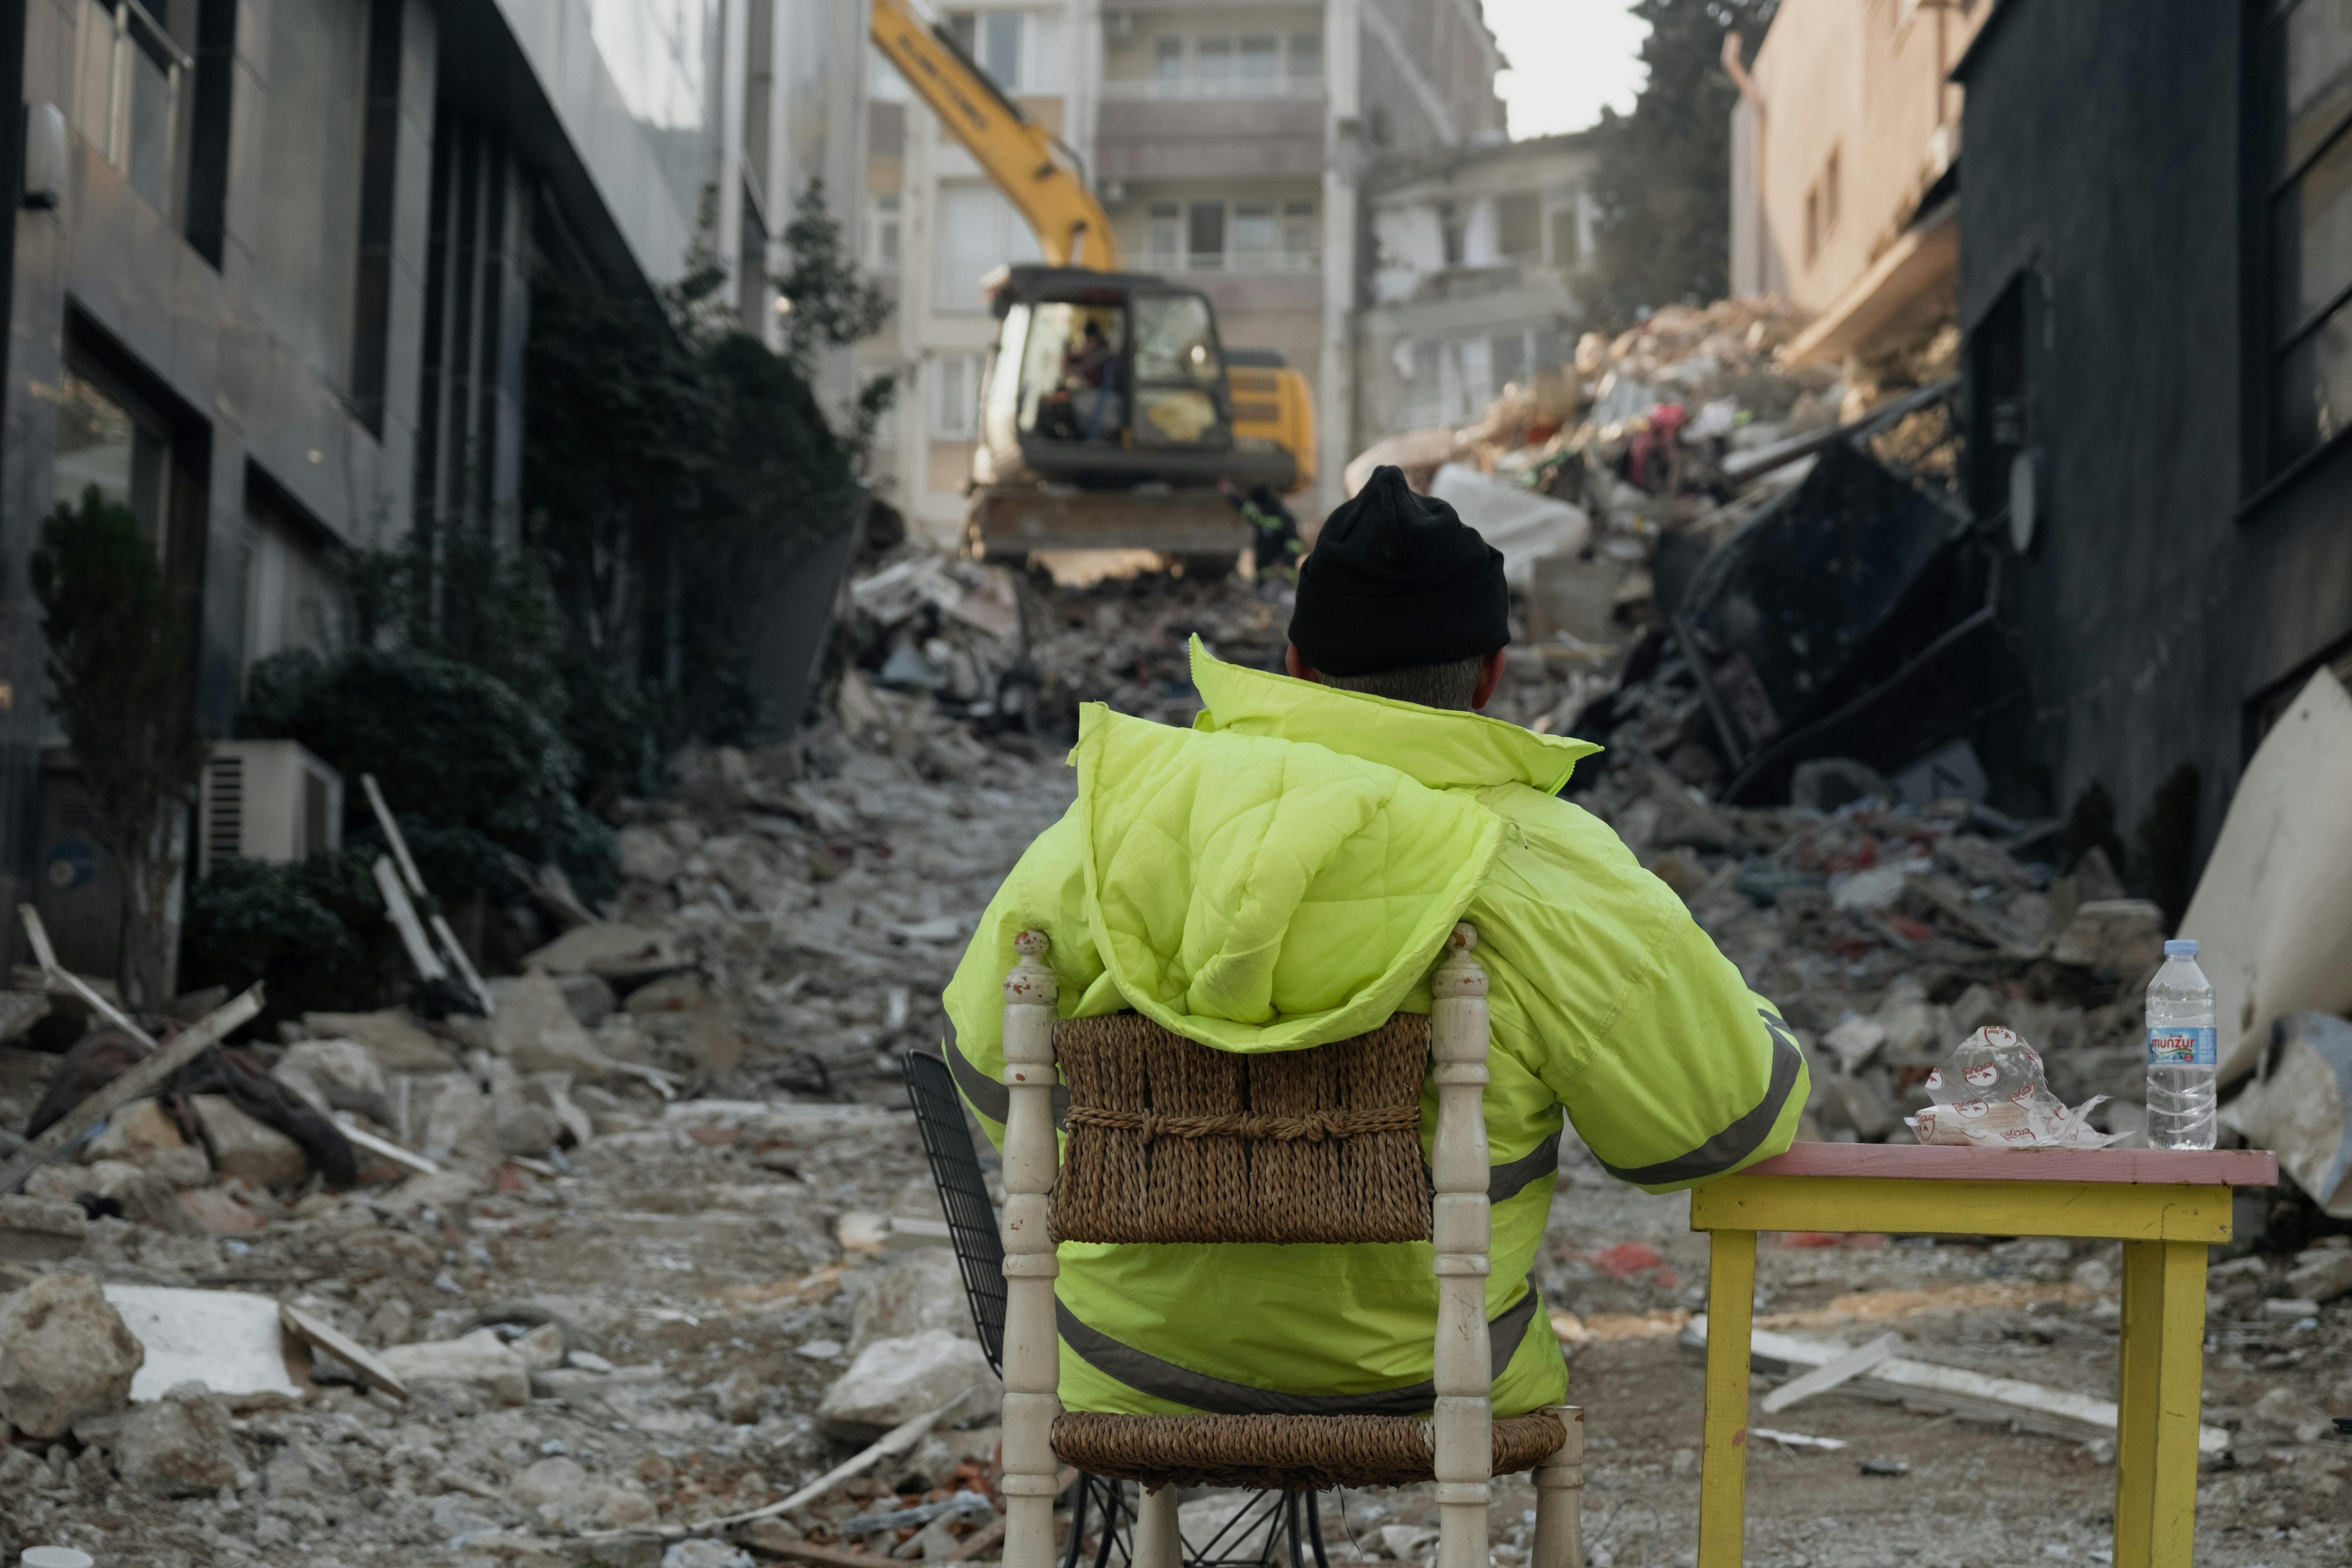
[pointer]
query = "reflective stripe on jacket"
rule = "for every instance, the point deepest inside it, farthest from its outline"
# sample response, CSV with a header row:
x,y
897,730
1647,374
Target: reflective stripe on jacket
x,y
1283,875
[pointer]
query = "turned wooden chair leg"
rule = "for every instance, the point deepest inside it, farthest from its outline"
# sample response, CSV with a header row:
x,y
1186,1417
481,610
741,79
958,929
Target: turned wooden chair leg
x,y
1560,1498
1157,1543
1463,1420
1032,1342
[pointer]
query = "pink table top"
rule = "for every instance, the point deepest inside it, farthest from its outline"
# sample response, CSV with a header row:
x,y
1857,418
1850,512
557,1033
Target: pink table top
x,y
1956,1163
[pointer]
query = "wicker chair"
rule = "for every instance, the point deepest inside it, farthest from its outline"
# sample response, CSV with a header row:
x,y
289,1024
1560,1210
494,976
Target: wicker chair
x,y
1171,1141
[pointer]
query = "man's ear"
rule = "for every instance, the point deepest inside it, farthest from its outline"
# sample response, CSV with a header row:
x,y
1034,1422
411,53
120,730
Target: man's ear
x,y
1299,667
1490,676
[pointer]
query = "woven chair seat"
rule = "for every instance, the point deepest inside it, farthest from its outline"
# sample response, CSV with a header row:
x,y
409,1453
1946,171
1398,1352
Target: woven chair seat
x,y
1173,1141
1281,1452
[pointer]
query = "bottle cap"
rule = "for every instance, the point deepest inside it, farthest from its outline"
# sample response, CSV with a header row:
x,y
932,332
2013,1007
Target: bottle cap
x,y
2180,947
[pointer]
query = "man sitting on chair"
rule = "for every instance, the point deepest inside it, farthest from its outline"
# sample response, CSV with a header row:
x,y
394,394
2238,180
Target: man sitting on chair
x,y
1284,874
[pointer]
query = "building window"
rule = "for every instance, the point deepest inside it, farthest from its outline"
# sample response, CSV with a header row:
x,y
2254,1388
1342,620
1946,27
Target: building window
x,y
2308,60
126,98
955,397
1255,65
1566,239
102,444
1452,230
1306,59
1518,221
1299,228
1204,235
1167,231
306,234
975,230
882,234
291,598
1021,49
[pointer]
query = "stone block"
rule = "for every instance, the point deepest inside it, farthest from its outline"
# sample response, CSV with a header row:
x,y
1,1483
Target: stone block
x,y
534,1028
38,1230
892,1380
480,1360
397,1041
244,1147
65,1355
180,1445
2124,937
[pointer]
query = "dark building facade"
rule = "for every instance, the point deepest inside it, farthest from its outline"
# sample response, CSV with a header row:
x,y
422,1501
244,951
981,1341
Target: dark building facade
x,y
269,288
2156,258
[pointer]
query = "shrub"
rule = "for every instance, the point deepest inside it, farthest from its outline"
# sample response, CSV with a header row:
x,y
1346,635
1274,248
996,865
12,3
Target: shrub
x,y
289,925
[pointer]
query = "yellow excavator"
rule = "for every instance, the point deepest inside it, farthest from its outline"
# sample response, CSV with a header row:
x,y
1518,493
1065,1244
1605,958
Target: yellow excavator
x,y
1112,417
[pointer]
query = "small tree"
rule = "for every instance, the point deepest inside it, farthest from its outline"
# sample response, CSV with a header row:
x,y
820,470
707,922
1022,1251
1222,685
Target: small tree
x,y
118,659
830,305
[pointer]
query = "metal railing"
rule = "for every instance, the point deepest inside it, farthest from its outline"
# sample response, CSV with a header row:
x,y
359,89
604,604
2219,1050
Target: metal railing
x,y
1231,261
1220,88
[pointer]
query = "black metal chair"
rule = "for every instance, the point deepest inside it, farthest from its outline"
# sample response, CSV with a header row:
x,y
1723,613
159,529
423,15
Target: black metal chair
x,y
1272,1527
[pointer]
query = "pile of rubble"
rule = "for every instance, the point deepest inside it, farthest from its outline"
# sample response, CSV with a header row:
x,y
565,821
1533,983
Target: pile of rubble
x,y
625,1258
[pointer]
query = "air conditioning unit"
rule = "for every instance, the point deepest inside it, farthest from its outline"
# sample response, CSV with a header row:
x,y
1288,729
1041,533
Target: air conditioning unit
x,y
266,800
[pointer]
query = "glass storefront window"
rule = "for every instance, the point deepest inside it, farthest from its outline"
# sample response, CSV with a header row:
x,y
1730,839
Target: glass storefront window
x,y
101,442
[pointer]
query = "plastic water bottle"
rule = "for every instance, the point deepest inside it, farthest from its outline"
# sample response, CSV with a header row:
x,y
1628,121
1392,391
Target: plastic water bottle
x,y
2180,1066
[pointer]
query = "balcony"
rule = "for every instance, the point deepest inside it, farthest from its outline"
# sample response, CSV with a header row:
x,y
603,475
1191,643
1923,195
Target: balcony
x,y
1196,136
1183,263
1129,88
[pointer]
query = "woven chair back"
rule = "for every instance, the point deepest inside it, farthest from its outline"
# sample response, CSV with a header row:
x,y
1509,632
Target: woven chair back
x,y
1170,1141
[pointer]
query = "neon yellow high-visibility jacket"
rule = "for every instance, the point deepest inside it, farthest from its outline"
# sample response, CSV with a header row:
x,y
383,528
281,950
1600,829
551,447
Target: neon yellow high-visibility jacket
x,y
1283,875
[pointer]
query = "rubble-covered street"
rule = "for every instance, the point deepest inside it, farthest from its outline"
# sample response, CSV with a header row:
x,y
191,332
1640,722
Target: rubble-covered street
x,y
681,1254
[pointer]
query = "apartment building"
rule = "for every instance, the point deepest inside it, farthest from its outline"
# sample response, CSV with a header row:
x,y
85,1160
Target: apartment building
x,y
1844,153
271,274
1230,144
1475,280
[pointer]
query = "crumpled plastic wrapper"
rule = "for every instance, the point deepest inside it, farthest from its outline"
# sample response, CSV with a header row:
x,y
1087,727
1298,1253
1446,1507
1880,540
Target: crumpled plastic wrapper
x,y
1992,1094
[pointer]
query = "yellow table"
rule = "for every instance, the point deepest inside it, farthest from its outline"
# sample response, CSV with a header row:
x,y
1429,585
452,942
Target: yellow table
x,y
2166,1206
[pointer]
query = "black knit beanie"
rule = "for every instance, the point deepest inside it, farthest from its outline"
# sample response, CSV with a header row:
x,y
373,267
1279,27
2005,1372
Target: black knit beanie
x,y
1397,580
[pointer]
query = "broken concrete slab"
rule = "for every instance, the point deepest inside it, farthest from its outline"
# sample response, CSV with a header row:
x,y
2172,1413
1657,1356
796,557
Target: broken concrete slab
x,y
320,1334
2321,1275
337,1074
37,1230
65,1355
396,1039
2272,912
534,1028
242,1146
181,1445
893,1381
590,997
2123,937
479,1361
919,1291
609,948
2300,1107
229,1341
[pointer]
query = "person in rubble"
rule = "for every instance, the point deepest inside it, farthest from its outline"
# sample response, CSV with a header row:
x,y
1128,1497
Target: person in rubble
x,y
1301,853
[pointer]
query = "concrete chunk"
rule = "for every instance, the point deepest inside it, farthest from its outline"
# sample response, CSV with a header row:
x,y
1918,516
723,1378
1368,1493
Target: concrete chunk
x,y
180,1445
535,1029
65,1355
244,1147
480,1360
35,1230
895,1380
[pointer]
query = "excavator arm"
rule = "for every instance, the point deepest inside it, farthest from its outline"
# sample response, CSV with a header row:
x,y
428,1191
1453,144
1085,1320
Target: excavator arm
x,y
1027,162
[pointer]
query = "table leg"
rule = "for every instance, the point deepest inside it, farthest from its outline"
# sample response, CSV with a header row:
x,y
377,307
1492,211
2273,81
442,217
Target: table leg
x,y
1723,1450
2160,1390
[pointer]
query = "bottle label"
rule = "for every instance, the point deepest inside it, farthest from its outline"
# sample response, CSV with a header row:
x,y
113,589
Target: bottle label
x,y
2179,1047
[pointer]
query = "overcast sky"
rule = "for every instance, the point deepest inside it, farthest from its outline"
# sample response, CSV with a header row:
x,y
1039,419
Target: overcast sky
x,y
1567,59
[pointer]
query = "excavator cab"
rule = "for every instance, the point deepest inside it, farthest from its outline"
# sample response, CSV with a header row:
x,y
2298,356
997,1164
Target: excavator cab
x,y
1110,381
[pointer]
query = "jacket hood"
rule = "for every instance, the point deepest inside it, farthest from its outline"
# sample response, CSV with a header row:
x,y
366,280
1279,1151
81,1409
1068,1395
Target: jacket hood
x,y
1269,880
1440,748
